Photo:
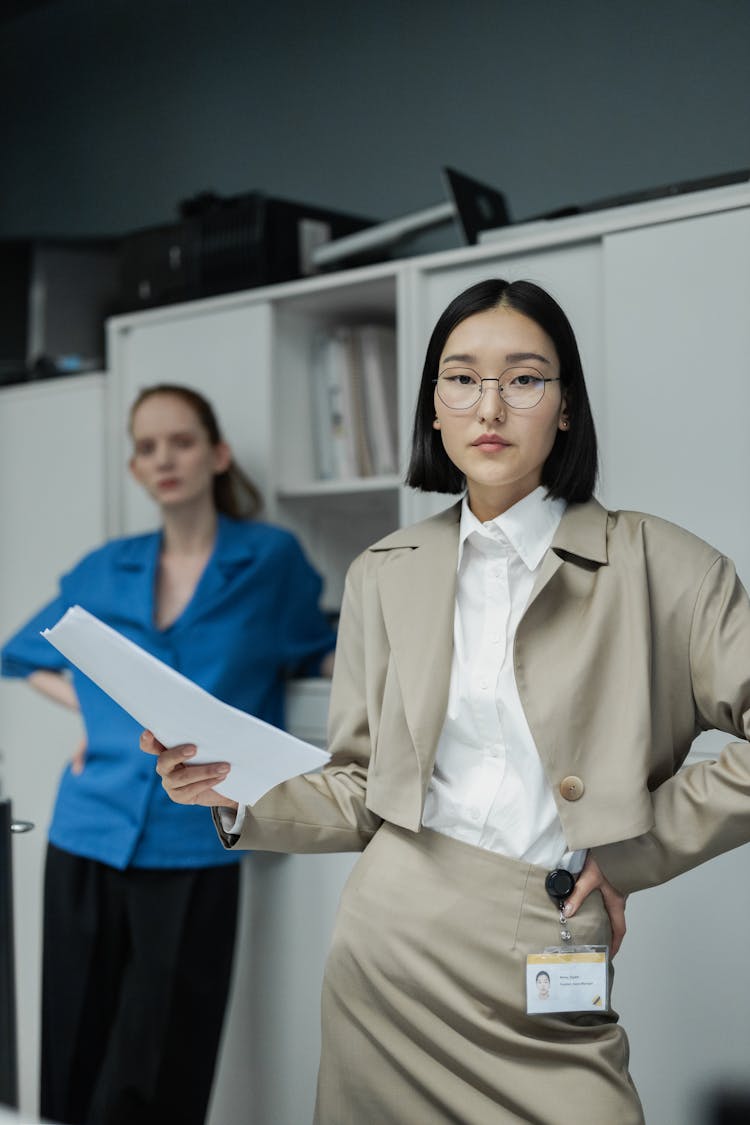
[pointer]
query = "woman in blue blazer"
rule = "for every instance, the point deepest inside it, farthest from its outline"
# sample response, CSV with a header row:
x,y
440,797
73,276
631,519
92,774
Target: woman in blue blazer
x,y
133,891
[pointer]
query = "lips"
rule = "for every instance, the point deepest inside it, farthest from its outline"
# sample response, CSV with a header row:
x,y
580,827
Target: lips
x,y
491,441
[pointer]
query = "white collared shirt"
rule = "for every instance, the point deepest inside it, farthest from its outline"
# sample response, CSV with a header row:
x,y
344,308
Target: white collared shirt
x,y
488,786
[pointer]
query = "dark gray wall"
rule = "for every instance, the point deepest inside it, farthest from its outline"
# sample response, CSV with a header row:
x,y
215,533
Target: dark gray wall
x,y
114,110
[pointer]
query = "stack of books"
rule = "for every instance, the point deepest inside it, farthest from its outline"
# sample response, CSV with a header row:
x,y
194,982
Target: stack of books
x,y
354,395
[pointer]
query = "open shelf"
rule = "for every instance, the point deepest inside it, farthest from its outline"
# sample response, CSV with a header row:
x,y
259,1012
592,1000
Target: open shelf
x,y
325,489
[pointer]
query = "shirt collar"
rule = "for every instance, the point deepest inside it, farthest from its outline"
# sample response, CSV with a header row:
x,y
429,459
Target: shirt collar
x,y
529,526
234,543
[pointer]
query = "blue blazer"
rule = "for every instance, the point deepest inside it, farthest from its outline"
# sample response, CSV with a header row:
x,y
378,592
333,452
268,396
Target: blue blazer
x,y
252,622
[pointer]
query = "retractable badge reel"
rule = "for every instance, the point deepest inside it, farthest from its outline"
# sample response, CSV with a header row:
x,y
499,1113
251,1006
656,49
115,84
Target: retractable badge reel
x,y
559,885
566,977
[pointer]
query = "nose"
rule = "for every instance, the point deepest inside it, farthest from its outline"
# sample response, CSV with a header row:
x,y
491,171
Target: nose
x,y
163,454
491,403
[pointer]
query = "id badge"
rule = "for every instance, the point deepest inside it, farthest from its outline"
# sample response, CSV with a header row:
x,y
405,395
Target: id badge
x,y
566,977
572,979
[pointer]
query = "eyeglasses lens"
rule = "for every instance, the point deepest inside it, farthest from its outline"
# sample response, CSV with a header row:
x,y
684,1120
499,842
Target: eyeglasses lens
x,y
520,387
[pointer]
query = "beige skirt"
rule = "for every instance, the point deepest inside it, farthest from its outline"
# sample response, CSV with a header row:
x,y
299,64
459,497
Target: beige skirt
x,y
423,1011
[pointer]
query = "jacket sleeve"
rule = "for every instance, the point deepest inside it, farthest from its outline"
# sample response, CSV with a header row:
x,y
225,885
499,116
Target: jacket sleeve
x,y
325,811
704,810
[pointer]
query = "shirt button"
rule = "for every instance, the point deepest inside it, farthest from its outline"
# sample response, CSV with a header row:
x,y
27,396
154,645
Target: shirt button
x,y
483,685
571,788
475,814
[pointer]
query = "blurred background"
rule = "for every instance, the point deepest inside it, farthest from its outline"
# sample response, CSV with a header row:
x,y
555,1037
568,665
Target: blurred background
x,y
115,110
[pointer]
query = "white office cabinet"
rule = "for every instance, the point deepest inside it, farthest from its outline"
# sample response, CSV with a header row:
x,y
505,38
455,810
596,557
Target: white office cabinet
x,y
335,518
677,340
251,355
52,510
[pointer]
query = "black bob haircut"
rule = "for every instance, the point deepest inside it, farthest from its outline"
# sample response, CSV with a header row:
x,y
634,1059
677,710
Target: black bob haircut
x,y
570,471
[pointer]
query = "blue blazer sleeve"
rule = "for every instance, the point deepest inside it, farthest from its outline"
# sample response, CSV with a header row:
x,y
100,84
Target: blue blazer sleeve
x,y
27,651
307,635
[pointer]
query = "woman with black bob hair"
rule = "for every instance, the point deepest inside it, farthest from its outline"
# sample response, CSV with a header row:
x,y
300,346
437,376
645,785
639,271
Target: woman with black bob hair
x,y
570,470
518,681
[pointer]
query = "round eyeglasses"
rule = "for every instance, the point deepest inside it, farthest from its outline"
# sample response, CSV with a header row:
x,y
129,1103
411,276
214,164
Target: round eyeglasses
x,y
519,387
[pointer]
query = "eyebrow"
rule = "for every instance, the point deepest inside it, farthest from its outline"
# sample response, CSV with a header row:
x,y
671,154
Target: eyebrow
x,y
520,357
460,359
513,357
170,436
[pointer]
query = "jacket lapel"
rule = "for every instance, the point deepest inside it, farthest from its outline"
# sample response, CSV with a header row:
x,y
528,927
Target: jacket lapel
x,y
582,534
417,586
135,561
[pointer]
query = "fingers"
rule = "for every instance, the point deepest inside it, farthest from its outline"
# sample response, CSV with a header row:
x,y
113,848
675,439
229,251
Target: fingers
x,y
170,759
615,905
184,783
586,882
191,784
593,879
195,786
149,744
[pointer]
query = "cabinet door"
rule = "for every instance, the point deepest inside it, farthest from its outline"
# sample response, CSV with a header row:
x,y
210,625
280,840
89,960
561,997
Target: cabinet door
x,y
676,443
222,352
677,338
52,504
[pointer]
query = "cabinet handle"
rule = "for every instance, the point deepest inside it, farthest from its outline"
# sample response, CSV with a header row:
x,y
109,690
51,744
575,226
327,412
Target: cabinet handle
x,y
21,825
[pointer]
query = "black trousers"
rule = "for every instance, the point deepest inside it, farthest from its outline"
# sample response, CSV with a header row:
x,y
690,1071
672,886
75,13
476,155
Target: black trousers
x,y
136,972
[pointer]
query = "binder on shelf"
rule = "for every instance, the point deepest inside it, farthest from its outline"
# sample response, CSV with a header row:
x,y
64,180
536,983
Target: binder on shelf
x,y
343,443
354,397
322,413
381,395
358,422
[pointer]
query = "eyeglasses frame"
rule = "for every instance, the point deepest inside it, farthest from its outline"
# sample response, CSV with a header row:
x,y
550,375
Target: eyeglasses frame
x,y
496,379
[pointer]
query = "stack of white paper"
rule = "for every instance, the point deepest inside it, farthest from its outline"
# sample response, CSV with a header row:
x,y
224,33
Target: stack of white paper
x,y
176,710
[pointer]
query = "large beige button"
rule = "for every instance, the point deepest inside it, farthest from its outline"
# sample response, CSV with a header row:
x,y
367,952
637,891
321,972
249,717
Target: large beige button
x,y
571,788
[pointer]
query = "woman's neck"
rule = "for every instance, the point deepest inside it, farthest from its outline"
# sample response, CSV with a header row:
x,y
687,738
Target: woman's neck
x,y
190,530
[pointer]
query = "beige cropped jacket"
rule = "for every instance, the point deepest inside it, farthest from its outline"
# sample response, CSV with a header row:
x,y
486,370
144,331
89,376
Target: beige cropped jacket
x,y
636,637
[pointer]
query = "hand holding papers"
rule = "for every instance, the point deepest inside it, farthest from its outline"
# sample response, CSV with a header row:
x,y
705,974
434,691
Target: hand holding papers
x,y
176,710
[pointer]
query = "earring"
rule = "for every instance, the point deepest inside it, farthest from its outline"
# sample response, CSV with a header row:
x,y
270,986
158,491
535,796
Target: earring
x,y
564,424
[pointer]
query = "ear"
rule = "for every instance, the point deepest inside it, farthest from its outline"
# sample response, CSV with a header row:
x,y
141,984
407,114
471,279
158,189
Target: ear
x,y
222,457
133,469
436,423
563,422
